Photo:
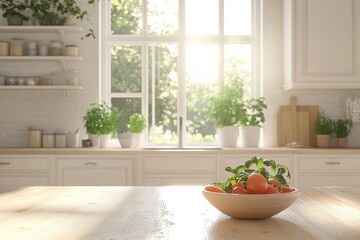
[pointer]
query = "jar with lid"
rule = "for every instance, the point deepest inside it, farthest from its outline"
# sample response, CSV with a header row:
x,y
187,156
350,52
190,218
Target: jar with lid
x,y
60,139
71,50
57,78
56,48
48,140
43,50
17,47
31,47
34,137
72,77
4,48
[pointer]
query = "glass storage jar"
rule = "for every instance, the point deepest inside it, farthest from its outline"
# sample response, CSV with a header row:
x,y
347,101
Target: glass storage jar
x,y
17,47
60,139
31,47
4,48
71,50
72,77
34,137
48,140
56,48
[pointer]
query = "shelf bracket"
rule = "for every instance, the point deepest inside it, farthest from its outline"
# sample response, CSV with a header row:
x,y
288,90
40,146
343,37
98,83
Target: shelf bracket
x,y
62,35
63,64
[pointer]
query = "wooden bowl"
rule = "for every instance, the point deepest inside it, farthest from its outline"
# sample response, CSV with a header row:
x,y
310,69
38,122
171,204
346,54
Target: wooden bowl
x,y
251,206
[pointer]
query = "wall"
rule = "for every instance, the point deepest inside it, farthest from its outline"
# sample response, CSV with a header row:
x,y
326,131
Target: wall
x,y
50,110
332,102
54,110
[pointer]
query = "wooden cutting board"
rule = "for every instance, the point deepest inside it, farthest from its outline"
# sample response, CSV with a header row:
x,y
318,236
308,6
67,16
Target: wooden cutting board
x,y
293,124
313,111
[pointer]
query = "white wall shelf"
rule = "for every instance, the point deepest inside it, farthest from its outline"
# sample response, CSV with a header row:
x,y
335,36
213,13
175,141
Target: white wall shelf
x,y
38,87
61,30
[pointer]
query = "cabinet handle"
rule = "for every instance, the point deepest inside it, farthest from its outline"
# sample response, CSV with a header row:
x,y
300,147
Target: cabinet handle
x,y
332,163
4,163
90,164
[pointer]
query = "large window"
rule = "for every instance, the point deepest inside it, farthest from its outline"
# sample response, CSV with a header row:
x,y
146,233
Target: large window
x,y
167,58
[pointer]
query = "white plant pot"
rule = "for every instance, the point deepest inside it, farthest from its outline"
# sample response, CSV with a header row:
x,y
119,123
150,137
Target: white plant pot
x,y
104,140
249,136
70,20
229,136
130,140
95,140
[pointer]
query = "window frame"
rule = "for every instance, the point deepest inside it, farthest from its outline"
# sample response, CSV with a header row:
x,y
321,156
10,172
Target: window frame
x,y
107,40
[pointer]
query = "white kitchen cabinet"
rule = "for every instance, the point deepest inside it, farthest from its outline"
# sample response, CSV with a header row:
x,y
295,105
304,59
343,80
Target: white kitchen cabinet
x,y
321,47
94,171
178,169
24,170
325,170
240,159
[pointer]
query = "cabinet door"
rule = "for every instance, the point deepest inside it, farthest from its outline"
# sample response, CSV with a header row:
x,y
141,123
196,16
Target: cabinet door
x,y
23,180
179,169
90,171
321,47
24,170
326,170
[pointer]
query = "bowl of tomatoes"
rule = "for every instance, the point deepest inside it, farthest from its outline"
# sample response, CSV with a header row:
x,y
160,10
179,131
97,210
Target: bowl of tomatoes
x,y
253,193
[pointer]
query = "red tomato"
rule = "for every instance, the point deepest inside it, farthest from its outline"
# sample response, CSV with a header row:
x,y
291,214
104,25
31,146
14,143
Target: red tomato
x,y
271,189
286,189
274,182
238,184
239,190
256,183
212,188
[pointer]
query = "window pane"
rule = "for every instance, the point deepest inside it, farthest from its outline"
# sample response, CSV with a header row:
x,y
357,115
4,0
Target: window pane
x,y
163,17
202,71
163,93
237,65
127,106
237,17
126,17
125,69
202,17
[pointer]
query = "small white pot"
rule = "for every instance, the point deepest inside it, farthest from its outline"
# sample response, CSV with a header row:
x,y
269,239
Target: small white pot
x,y
95,140
70,20
229,136
249,136
130,140
104,140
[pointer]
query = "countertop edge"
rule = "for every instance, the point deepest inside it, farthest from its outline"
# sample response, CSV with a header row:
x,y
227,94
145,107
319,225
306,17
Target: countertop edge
x,y
122,151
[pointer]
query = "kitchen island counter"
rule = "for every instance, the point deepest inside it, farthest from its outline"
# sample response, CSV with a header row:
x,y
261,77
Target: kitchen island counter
x,y
175,212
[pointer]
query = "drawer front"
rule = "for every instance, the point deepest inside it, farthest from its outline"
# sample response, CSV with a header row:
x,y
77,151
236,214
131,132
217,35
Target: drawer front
x,y
23,164
177,179
23,180
329,180
94,172
328,163
179,164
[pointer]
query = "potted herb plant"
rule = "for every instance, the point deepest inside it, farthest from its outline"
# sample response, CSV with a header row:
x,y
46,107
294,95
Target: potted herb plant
x,y
15,11
56,12
100,121
342,128
226,111
323,128
136,125
251,122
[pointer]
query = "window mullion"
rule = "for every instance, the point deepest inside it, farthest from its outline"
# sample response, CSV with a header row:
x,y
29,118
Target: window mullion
x,y
181,71
221,43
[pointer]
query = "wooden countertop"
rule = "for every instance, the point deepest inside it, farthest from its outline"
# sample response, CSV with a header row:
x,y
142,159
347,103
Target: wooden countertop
x,y
101,213
117,151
